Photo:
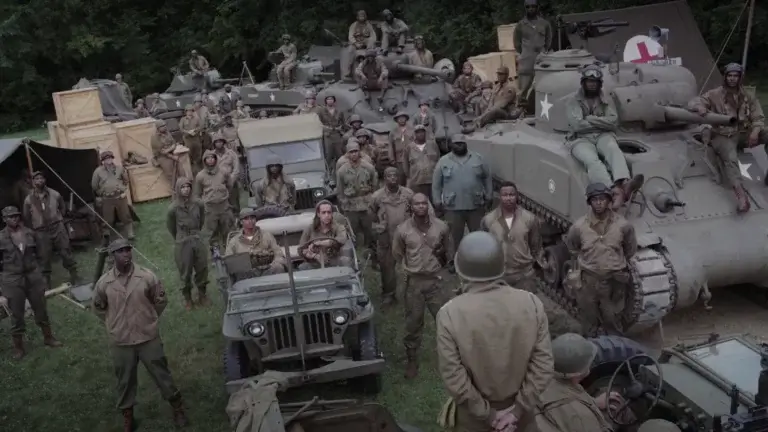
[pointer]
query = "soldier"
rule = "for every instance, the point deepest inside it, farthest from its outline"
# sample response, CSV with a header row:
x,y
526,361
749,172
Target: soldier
x,y
228,131
158,105
316,243
461,186
424,246
110,187
399,138
372,73
185,220
267,257
141,110
355,123
241,111
364,150
285,68
393,31
593,121
202,111
390,207
364,138
198,64
275,189
209,101
163,145
192,130
263,115
333,130
129,299
731,99
309,105
503,105
44,211
482,103
532,36
493,343
22,280
228,100
419,161
421,56
465,87
518,232
361,35
425,117
125,90
229,162
212,186
602,242
355,183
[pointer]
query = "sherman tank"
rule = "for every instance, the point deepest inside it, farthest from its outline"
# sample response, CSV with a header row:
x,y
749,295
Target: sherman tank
x,y
691,239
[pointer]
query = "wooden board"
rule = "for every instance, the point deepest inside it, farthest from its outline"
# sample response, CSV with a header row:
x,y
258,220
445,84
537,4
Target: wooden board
x,y
57,134
506,36
75,107
99,138
486,64
148,183
136,136
98,127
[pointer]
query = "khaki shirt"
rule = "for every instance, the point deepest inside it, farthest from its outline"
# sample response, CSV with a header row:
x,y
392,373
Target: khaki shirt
x,y
481,105
567,407
229,162
601,111
399,138
192,130
212,186
262,243
389,210
422,58
372,70
532,37
230,134
278,191
364,156
417,249
362,34
467,84
521,241
289,52
109,183
198,63
602,246
130,305
355,185
303,108
504,96
337,231
741,105
333,119
419,165
43,210
493,349
203,113
18,263
185,218
427,119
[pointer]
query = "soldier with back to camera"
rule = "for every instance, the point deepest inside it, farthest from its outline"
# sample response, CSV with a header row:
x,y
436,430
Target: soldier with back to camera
x,y
493,344
275,189
393,32
285,68
731,99
267,257
110,187
517,230
532,36
593,122
602,243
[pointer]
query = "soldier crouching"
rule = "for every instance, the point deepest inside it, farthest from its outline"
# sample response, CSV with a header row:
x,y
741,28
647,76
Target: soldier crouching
x,y
322,241
267,258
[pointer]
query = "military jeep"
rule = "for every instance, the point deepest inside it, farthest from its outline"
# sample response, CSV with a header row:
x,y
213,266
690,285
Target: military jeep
x,y
298,141
314,325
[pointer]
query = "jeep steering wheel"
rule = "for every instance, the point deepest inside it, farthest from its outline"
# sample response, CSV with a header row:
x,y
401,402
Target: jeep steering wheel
x,y
634,391
321,252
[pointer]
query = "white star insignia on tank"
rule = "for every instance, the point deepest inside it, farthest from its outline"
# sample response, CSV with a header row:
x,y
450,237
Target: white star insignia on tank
x,y
545,106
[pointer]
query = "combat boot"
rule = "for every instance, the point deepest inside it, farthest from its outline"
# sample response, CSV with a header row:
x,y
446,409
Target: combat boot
x,y
179,416
742,200
18,347
48,338
202,299
129,231
129,424
411,367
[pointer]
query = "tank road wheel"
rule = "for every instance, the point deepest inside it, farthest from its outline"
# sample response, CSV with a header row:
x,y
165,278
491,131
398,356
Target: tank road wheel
x,y
367,348
237,363
611,352
556,257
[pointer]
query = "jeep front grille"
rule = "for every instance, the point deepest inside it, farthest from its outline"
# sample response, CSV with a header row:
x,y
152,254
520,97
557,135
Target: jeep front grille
x,y
304,199
317,330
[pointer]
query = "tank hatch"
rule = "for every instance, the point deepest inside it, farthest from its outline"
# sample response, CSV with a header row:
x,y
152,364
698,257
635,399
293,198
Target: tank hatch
x,y
558,61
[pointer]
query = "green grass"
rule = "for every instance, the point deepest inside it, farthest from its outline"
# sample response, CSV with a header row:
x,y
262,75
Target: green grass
x,y
35,134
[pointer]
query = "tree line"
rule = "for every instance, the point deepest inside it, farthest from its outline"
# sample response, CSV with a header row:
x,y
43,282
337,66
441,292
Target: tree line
x,y
47,46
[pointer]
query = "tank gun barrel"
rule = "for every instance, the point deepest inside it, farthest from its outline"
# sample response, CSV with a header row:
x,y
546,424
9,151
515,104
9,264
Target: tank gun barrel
x,y
674,114
226,80
413,69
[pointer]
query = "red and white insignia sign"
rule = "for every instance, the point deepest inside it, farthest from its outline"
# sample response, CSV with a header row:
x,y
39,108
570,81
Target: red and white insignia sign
x,y
642,49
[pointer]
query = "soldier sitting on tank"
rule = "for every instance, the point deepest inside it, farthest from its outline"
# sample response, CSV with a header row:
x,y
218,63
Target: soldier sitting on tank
x,y
425,118
141,109
275,189
158,105
465,87
503,104
731,99
372,73
285,68
322,242
593,120
198,66
267,257
421,56
482,103
361,36
393,31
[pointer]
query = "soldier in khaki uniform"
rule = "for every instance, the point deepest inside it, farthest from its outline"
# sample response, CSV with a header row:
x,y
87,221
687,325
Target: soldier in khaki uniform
x,y
185,221
141,110
163,144
493,344
364,138
361,35
285,68
355,124
503,105
465,87
419,161
229,132
425,117
424,246
533,36
399,138
229,162
602,242
482,103
364,152
158,105
212,186
393,32
518,232
356,181
334,124
309,105
192,130
372,73
421,56
267,257
130,299
324,226
110,186
125,90
275,189
22,281
44,211
198,64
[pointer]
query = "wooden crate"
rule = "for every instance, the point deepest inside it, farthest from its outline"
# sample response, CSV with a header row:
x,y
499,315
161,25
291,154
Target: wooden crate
x,y
100,137
506,36
75,107
136,136
148,183
486,64
57,134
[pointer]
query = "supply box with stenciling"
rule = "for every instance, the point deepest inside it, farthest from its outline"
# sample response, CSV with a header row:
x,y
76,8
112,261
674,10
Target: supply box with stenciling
x,y
147,182
485,65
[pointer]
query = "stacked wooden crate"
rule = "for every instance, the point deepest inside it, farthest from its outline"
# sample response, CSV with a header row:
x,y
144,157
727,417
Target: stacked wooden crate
x,y
149,183
486,64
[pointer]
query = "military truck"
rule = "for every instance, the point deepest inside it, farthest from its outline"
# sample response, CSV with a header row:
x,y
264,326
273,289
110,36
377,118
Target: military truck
x,y
298,141
314,325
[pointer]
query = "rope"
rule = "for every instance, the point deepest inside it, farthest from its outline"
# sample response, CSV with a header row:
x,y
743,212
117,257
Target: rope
x,y
725,44
26,144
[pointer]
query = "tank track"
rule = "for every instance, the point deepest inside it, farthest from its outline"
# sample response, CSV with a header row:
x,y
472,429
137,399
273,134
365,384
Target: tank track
x,y
653,279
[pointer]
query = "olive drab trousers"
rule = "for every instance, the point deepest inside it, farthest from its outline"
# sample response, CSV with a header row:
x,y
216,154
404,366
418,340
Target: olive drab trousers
x,y
726,149
602,300
219,221
54,239
387,267
112,206
191,259
588,151
422,292
526,281
360,221
126,360
458,219
19,289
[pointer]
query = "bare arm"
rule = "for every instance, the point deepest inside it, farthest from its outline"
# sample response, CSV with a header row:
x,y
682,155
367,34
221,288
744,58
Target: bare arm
x,y
157,295
99,303
540,365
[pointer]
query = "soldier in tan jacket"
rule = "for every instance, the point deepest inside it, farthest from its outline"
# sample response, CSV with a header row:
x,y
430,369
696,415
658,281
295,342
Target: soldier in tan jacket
x,y
503,104
323,240
365,150
192,129
229,161
275,189
212,186
355,183
518,232
163,146
267,257
419,161
399,138
110,186
493,344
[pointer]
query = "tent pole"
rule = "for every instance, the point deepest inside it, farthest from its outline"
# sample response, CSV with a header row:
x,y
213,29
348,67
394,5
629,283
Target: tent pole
x,y
750,17
29,156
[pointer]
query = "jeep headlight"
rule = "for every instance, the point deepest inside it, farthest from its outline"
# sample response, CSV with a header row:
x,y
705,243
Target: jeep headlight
x,y
255,329
340,317
318,193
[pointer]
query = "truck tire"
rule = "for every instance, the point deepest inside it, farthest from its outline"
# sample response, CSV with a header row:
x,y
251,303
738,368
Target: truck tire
x,y
236,362
611,352
367,348
270,211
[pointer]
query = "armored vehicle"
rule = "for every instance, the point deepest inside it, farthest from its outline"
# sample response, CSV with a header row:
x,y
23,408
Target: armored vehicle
x,y
314,325
690,236
298,141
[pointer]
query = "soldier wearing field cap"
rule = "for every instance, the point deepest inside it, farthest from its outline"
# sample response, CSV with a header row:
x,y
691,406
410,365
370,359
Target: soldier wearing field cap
x,y
110,187
130,299
503,105
22,280
163,146
192,129
356,181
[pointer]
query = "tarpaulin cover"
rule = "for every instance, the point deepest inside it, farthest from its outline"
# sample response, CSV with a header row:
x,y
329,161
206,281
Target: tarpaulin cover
x,y
112,103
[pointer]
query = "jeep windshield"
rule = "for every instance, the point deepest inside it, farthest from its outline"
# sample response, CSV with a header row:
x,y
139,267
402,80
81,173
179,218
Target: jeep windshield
x,y
289,153
733,361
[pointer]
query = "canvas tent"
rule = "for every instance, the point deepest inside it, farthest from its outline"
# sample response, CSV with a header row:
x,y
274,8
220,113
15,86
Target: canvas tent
x,y
112,104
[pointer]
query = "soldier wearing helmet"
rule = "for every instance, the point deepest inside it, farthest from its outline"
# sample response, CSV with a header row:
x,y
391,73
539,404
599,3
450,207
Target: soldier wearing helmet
x,y
483,102
732,100
361,36
163,147
465,87
602,242
355,123
309,105
228,130
211,186
425,117
158,106
141,109
125,90
275,189
202,110
365,151
393,31
503,104
419,161
532,36
192,131
593,120
228,161
399,138
334,125
372,73
421,56
356,180
198,64
368,149
493,343
286,67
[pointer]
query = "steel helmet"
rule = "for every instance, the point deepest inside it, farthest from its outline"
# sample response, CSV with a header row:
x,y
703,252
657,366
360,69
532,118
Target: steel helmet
x,y
658,425
597,189
573,355
592,72
479,258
